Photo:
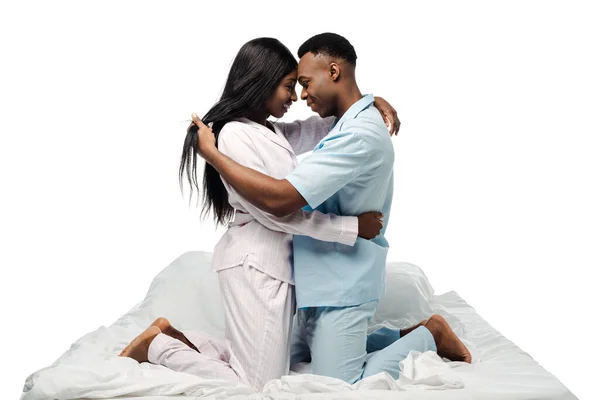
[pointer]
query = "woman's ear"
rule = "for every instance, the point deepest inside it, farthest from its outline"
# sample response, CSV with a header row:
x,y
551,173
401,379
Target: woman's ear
x,y
334,71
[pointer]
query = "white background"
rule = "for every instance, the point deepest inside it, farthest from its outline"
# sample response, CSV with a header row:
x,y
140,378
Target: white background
x,y
497,173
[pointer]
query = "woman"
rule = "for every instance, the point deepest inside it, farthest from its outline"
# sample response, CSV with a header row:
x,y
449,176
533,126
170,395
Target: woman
x,y
253,258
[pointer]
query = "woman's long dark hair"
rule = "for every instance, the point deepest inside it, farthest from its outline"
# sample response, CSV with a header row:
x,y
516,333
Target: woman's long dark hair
x,y
255,73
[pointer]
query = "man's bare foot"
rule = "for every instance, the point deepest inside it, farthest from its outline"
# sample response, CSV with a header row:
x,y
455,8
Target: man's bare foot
x,y
138,348
404,332
165,326
448,344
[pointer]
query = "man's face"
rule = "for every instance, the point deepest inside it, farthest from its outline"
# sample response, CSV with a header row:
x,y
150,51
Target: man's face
x,y
318,87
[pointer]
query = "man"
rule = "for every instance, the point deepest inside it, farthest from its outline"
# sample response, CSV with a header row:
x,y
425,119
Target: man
x,y
349,172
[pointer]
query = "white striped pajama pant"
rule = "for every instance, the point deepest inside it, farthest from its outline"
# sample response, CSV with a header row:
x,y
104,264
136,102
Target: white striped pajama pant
x,y
259,311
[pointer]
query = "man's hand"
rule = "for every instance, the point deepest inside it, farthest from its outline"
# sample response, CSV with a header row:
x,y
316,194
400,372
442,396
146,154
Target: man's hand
x,y
206,138
389,115
370,224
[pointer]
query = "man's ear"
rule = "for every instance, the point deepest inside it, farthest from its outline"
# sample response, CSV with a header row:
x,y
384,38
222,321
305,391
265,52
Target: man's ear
x,y
334,71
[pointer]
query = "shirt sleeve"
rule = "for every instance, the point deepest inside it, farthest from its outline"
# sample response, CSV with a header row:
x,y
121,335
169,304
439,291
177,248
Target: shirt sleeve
x,y
336,163
324,227
304,135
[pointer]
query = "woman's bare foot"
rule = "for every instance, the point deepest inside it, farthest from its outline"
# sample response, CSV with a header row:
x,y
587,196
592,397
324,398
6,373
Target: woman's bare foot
x,y
138,348
448,344
165,326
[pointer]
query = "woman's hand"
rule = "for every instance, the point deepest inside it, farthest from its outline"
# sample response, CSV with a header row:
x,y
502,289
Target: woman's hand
x,y
206,137
370,224
389,114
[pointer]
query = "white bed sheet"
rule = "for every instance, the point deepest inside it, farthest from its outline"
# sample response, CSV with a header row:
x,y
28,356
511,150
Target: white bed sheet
x,y
91,368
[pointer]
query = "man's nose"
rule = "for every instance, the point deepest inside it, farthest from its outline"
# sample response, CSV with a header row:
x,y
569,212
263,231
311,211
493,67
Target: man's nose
x,y
303,95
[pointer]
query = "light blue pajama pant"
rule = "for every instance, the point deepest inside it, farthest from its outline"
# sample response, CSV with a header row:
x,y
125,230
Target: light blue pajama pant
x,y
335,340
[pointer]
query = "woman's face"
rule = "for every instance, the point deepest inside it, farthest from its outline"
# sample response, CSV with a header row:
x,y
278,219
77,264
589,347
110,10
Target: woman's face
x,y
283,96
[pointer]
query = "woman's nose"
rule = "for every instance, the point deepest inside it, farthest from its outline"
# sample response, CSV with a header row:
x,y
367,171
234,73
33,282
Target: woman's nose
x,y
294,95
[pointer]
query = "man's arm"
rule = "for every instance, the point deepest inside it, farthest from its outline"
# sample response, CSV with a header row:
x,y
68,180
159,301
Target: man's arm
x,y
236,143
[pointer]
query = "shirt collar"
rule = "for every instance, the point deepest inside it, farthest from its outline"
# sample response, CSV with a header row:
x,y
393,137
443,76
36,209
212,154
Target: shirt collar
x,y
276,137
355,109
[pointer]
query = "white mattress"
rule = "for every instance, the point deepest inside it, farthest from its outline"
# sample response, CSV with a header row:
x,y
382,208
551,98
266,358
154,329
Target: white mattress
x,y
91,368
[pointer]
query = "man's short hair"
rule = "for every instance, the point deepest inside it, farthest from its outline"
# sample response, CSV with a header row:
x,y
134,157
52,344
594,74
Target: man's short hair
x,y
329,44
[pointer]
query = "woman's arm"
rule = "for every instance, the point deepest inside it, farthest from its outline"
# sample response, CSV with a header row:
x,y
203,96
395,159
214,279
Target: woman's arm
x,y
389,115
304,135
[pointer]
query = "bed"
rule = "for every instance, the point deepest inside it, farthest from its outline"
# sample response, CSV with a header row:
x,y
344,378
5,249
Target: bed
x,y
187,293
